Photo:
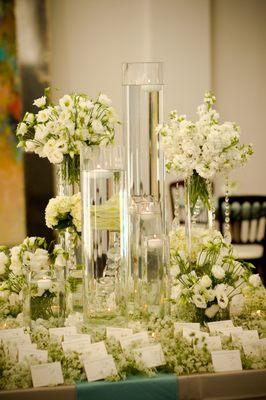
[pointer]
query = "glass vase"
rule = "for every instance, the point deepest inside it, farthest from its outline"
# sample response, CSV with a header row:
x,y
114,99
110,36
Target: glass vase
x,y
104,232
44,297
68,185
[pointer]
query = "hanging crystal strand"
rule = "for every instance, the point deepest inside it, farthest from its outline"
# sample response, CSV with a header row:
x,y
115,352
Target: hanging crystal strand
x,y
211,209
188,217
176,220
227,231
196,212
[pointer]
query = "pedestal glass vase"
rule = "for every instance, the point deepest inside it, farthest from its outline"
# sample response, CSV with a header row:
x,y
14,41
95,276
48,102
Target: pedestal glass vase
x,y
104,231
68,185
44,296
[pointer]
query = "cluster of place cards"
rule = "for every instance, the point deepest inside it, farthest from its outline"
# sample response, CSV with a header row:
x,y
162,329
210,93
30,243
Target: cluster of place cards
x,y
223,360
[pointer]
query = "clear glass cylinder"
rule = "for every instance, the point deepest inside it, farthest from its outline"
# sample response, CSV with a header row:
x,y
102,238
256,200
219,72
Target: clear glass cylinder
x,y
143,111
104,231
44,296
70,242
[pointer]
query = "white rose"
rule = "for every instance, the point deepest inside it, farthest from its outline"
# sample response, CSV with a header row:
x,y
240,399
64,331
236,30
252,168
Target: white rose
x,y
211,311
218,272
97,126
22,129
205,281
40,102
3,262
66,102
255,280
103,99
199,301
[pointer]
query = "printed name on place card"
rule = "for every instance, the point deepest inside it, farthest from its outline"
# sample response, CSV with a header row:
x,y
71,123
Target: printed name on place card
x,y
151,356
226,360
99,369
118,333
138,339
49,374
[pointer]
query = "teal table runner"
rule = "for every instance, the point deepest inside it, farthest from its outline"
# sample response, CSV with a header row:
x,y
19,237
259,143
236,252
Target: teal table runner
x,y
160,387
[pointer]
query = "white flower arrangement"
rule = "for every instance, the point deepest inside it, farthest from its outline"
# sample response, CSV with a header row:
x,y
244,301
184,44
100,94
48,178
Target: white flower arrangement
x,y
58,131
212,276
205,147
64,212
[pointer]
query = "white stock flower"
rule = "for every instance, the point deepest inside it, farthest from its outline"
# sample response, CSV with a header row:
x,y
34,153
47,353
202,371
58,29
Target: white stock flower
x,y
3,262
255,280
40,102
218,272
211,311
103,99
205,281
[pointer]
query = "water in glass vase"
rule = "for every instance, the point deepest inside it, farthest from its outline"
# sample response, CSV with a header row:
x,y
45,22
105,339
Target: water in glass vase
x,y
103,232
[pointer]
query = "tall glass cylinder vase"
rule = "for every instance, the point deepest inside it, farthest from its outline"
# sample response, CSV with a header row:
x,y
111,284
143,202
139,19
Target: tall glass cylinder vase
x,y
68,185
104,232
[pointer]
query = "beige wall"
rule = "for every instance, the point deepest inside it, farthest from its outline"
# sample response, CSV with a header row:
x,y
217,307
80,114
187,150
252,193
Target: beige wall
x,y
239,79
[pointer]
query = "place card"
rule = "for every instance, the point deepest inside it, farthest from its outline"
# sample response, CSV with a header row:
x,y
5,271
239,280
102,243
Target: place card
x,y
58,333
227,332
69,337
99,369
95,351
11,344
32,355
191,334
137,339
251,348
263,346
151,356
226,360
213,343
216,326
178,326
11,332
81,346
49,374
244,336
118,333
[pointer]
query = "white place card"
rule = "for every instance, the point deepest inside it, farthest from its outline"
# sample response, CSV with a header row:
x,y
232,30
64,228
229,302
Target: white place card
x,y
11,332
263,347
226,360
58,333
151,356
76,336
81,346
32,355
49,374
137,339
95,351
213,343
99,369
227,332
192,334
251,348
12,343
178,326
251,335
118,333
215,326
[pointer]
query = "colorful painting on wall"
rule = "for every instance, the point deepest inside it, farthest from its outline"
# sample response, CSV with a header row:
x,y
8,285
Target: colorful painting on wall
x,y
12,202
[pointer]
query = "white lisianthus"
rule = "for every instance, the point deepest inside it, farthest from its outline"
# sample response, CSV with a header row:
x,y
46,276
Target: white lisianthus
x,y
43,115
40,102
30,146
66,102
54,150
211,311
199,300
103,99
222,299
22,129
41,132
218,272
39,260
205,281
255,280
29,117
97,126
3,262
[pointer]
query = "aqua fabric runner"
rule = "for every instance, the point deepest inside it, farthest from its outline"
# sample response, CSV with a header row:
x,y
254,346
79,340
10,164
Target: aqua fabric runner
x,y
161,387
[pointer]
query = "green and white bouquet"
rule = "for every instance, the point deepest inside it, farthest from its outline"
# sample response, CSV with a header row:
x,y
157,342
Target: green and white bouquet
x,y
211,277
64,212
200,150
58,131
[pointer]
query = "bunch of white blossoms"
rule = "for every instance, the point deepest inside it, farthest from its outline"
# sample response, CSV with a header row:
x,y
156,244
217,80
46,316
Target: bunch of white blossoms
x,y
205,147
213,278
60,130
64,212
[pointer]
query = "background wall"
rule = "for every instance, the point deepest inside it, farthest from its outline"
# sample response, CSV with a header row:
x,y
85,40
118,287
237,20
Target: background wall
x,y
204,44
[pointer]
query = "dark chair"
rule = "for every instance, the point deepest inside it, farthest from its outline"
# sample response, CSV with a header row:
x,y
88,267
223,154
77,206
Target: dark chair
x,y
248,228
